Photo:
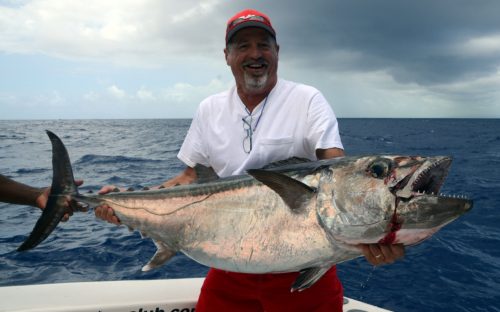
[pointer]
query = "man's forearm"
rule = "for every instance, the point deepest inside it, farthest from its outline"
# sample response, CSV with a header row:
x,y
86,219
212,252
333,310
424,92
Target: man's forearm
x,y
329,153
187,176
17,193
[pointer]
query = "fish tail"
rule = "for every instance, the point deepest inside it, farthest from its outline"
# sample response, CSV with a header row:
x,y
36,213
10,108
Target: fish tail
x,y
63,184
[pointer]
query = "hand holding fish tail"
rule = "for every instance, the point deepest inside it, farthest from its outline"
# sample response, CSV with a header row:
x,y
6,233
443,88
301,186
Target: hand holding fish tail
x,y
379,254
105,212
70,204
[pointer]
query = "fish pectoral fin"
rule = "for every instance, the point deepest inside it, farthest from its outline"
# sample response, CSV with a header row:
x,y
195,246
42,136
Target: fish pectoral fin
x,y
308,277
293,192
162,255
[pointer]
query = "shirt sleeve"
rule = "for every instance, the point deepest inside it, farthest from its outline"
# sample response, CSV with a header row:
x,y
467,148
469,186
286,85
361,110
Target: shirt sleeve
x,y
192,151
323,128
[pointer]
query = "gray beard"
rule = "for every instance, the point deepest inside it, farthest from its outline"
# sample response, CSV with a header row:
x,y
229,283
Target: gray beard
x,y
255,83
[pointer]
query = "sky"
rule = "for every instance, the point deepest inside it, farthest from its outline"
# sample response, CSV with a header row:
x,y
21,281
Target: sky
x,y
63,59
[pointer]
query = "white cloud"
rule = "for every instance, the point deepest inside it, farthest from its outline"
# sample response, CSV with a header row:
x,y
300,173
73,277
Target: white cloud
x,y
482,46
116,92
188,93
178,93
177,100
163,54
124,32
200,9
91,96
144,94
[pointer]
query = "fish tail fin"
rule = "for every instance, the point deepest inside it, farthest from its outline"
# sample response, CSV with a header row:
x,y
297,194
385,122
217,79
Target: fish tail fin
x,y
63,184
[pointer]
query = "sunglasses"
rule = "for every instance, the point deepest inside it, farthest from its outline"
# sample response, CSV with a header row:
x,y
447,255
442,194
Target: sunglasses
x,y
247,126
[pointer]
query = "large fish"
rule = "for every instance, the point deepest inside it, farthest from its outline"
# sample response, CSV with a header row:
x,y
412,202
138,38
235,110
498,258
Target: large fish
x,y
291,216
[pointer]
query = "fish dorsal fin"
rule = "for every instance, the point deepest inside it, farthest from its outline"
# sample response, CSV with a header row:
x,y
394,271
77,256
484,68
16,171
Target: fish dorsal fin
x,y
289,161
205,174
294,193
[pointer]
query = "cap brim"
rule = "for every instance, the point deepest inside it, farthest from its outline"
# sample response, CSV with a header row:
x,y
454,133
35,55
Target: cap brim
x,y
248,24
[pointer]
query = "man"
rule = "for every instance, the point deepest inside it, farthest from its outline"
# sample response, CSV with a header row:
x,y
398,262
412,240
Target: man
x,y
21,194
260,120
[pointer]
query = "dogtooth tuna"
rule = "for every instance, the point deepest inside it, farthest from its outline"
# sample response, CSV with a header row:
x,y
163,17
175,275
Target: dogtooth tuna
x,y
293,215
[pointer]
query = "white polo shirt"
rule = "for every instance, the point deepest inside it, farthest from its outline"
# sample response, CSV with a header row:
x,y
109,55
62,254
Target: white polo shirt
x,y
295,121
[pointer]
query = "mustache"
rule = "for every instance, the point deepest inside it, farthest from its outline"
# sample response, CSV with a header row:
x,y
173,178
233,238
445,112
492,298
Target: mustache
x,y
259,61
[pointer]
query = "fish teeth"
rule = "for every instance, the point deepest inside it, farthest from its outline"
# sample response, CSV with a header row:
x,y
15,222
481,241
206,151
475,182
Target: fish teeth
x,y
455,196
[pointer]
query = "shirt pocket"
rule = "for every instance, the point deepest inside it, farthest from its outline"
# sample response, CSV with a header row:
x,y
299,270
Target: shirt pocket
x,y
275,149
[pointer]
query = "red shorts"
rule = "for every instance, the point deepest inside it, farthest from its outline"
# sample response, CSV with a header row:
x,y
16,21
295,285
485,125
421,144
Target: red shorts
x,y
228,291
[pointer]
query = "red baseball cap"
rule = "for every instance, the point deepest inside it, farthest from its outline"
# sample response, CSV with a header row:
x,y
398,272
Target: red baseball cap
x,y
248,18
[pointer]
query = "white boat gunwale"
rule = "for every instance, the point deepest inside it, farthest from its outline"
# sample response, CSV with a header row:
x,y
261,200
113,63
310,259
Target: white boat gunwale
x,y
164,295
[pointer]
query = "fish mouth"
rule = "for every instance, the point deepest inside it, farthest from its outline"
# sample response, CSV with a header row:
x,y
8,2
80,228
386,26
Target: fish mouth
x,y
420,207
427,179
430,179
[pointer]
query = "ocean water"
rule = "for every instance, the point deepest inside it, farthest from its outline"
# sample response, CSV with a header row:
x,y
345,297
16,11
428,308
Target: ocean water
x,y
458,269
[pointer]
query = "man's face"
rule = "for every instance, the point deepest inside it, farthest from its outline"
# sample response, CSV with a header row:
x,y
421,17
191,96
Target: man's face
x,y
252,55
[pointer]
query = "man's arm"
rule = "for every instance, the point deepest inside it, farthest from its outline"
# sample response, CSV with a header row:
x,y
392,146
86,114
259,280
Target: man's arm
x,y
187,176
20,194
329,153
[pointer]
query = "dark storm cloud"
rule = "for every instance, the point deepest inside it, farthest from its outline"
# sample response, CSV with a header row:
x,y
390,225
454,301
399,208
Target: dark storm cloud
x,y
414,41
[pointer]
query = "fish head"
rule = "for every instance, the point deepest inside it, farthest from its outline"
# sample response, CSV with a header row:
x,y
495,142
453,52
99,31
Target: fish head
x,y
386,199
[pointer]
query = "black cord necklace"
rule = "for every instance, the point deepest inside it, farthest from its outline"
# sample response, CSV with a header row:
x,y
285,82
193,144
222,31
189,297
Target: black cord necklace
x,y
261,113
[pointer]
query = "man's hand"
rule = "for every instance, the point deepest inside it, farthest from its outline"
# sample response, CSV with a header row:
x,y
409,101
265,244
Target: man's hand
x,y
70,204
104,211
107,213
187,176
379,254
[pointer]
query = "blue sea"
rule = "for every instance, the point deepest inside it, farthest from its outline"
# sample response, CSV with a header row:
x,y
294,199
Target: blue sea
x,y
458,269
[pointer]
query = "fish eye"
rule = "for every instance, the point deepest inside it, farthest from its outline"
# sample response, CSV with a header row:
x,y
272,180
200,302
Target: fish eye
x,y
379,169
